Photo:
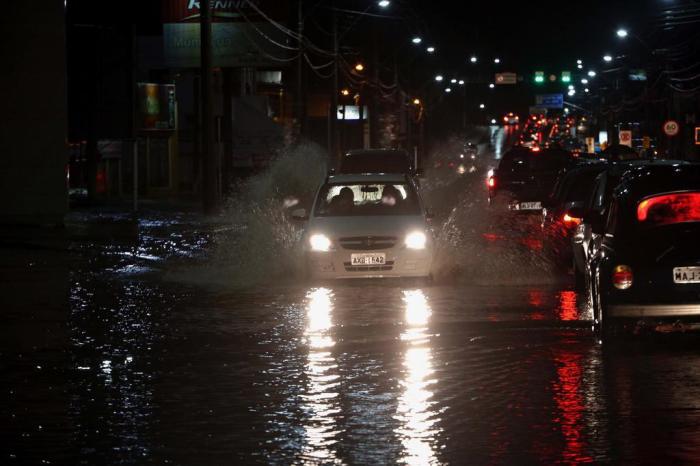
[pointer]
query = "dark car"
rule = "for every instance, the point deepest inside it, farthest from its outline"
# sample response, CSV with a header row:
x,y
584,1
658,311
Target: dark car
x,y
525,178
585,240
647,270
572,190
376,161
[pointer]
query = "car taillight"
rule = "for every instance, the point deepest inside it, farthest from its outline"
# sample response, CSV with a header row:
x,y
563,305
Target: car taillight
x,y
571,221
670,208
622,277
535,149
491,182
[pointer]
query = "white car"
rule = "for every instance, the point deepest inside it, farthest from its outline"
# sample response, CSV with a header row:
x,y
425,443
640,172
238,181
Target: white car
x,y
368,225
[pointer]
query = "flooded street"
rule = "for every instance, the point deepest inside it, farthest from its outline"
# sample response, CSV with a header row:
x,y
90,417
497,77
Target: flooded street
x,y
123,350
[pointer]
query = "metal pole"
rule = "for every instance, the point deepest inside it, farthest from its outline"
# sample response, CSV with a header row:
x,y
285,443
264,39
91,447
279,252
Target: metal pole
x,y
336,89
136,175
210,177
301,114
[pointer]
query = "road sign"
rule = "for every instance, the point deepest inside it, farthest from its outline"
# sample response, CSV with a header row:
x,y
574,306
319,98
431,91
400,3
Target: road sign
x,y
671,128
539,77
626,138
566,76
506,78
550,100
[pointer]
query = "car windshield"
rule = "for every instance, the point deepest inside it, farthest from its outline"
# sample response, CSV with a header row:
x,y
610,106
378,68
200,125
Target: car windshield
x,y
367,199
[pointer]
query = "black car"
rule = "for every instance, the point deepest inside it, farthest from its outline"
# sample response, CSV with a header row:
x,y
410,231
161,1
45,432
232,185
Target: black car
x,y
647,270
572,190
585,240
525,177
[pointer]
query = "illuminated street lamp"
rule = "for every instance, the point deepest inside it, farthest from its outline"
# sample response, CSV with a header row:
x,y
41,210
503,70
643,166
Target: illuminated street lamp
x,y
345,92
622,33
431,49
448,90
453,81
359,67
384,3
473,59
607,58
584,81
416,101
416,40
482,106
439,78
591,74
461,82
579,62
492,85
497,60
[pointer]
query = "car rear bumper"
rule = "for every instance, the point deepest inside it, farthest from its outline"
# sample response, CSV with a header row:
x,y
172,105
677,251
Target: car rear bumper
x,y
654,310
399,263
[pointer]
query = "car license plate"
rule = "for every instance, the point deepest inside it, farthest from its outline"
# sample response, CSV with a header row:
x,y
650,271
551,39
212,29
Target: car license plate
x,y
530,206
686,275
368,259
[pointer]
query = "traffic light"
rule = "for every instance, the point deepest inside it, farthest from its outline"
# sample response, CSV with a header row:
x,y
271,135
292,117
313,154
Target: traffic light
x,y
566,76
539,77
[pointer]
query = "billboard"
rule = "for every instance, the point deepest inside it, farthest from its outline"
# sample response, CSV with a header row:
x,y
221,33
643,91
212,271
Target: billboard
x,y
155,107
242,33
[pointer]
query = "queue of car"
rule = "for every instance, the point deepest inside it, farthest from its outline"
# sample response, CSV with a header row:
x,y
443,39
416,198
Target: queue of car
x,y
627,227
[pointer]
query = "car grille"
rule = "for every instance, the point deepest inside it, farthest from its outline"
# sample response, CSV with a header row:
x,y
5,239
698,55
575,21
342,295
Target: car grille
x,y
369,268
367,243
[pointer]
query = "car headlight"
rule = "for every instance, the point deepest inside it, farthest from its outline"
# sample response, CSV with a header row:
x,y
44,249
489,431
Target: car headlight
x,y
416,240
320,243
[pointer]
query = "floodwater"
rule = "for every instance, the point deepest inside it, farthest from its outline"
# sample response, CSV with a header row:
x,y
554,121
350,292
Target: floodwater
x,y
117,349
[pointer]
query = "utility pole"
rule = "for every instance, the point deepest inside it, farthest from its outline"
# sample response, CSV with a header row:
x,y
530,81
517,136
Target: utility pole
x,y
335,134
210,175
301,108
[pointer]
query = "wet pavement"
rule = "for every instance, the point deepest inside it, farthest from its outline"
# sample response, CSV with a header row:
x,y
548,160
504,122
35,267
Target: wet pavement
x,y
127,350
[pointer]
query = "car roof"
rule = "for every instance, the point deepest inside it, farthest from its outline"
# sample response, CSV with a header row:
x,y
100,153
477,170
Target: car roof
x,y
643,180
618,168
367,178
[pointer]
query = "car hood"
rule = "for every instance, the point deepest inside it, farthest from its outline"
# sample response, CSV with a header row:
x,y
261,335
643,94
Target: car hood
x,y
366,226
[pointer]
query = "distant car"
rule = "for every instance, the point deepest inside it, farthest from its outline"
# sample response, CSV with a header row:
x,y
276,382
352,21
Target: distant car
x,y
572,190
647,270
511,119
525,178
367,226
376,161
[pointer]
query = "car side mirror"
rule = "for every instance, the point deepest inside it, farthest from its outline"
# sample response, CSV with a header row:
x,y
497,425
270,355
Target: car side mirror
x,y
300,215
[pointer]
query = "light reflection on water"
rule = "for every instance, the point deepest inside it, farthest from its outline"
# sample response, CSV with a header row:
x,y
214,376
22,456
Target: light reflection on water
x,y
320,401
415,405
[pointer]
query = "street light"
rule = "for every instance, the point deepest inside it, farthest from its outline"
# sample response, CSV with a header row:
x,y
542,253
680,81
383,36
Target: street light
x,y
579,66
482,106
359,67
431,49
497,60
416,101
345,92
579,62
584,81
607,58
473,59
448,90
591,74
622,33
416,40
384,3
438,78
461,82
453,81
492,85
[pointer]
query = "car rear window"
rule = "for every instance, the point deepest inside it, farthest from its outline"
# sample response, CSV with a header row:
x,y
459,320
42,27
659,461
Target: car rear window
x,y
669,209
367,199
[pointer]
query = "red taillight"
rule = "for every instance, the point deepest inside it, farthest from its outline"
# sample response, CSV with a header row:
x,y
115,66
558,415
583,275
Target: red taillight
x,y
622,277
670,208
535,149
571,221
491,182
